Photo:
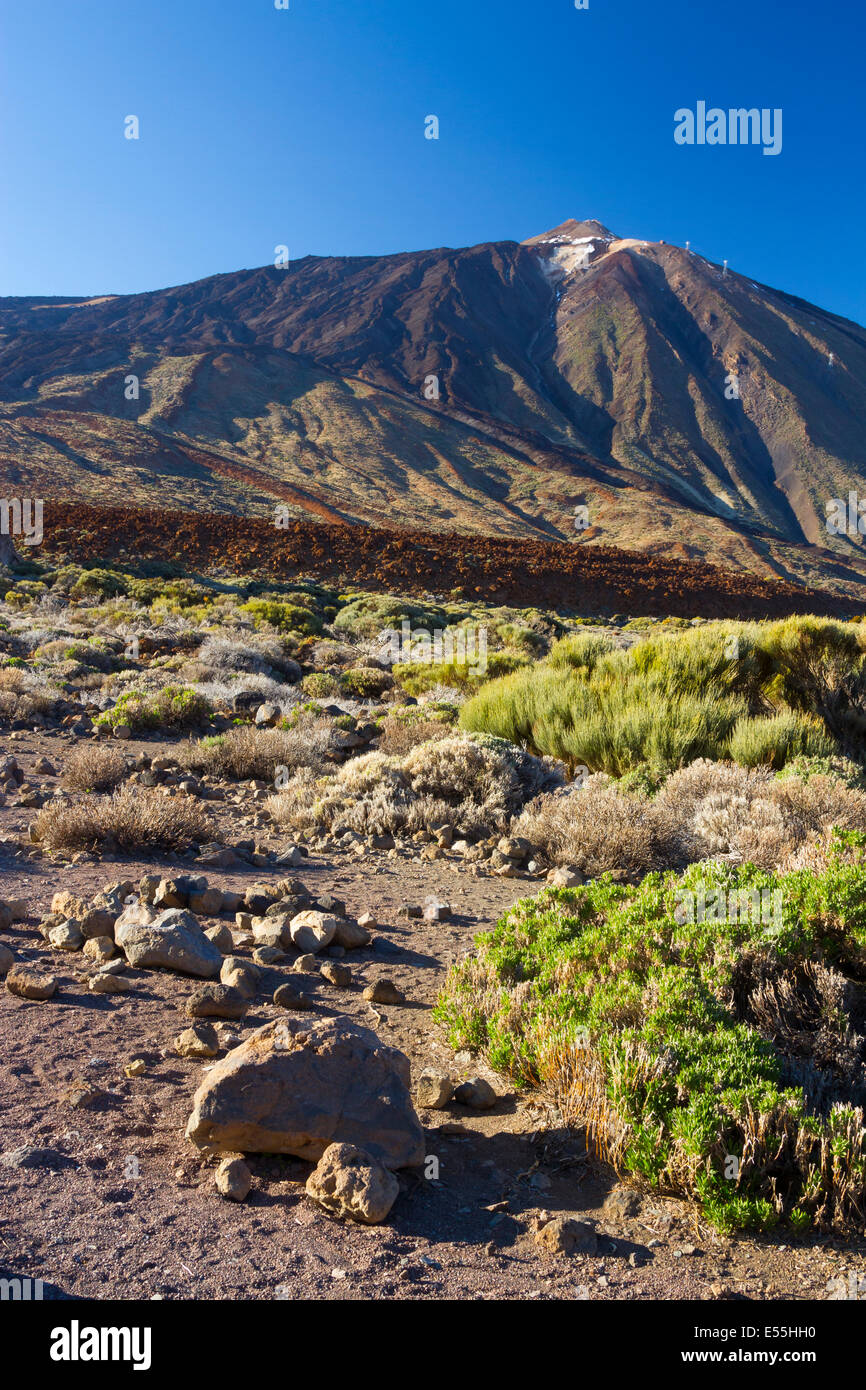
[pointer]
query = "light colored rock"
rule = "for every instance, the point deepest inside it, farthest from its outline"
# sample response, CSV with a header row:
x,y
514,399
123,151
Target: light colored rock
x,y
292,996
30,984
98,921
216,1001
350,935
436,911
147,887
169,894
312,931
221,937
298,1085
233,1179
240,975
268,955
270,931
66,937
67,905
106,982
348,1181
219,857
565,877
200,1041
564,1236
514,846
209,902
173,940
306,964
99,948
7,960
383,992
336,974
434,1089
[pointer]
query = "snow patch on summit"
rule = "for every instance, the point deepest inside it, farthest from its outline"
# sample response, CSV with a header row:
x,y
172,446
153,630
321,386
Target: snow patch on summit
x,y
564,255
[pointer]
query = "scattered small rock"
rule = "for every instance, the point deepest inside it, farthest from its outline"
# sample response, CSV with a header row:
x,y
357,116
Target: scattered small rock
x,y
349,1181
383,992
233,1179
476,1093
434,1089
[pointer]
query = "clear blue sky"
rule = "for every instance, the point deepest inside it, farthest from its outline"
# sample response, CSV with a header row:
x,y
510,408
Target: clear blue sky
x,y
305,127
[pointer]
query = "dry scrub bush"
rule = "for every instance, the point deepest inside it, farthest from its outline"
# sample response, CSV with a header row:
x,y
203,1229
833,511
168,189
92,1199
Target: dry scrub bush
x,y
702,811
596,829
22,696
722,808
226,655
130,819
248,752
93,768
398,736
462,781
221,694
368,794
684,790
463,773
794,813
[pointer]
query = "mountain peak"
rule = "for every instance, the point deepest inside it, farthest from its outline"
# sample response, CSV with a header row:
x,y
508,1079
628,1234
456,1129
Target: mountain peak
x,y
572,231
571,246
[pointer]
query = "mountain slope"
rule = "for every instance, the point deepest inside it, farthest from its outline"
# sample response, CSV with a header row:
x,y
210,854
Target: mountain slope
x,y
576,367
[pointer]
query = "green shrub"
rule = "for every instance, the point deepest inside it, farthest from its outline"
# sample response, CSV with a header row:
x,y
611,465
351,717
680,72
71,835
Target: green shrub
x,y
173,707
97,583
366,615
775,741
685,1038
365,683
416,677
285,617
789,689
320,685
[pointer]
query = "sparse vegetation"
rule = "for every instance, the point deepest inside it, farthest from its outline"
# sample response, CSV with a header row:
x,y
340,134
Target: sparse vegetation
x,y
93,767
760,694
131,819
686,1044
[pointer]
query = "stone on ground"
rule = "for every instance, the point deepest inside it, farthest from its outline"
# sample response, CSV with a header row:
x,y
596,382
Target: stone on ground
x,y
297,1085
349,1181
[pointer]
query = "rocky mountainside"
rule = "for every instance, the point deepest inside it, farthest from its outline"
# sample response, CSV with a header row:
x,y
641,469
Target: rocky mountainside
x,y
492,389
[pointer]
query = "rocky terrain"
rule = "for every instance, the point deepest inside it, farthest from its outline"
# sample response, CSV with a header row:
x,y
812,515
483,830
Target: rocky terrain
x,y
104,1195
493,570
